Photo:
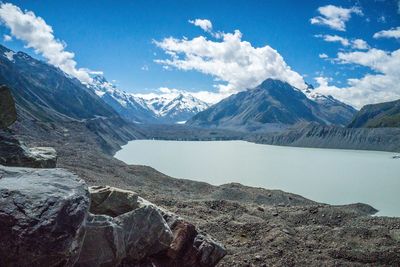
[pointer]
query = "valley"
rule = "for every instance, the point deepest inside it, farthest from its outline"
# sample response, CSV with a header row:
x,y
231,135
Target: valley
x,y
247,164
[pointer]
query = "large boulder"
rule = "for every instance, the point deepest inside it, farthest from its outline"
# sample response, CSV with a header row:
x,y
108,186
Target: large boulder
x,y
8,113
104,243
16,154
146,233
192,249
153,236
123,230
42,216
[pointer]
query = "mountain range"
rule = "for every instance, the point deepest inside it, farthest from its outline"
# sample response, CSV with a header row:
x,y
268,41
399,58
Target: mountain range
x,y
45,93
274,104
166,108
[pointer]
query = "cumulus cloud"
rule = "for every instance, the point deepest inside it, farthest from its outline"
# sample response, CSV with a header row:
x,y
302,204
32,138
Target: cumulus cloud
x,y
392,33
383,85
359,44
37,34
7,38
355,43
335,17
204,24
234,63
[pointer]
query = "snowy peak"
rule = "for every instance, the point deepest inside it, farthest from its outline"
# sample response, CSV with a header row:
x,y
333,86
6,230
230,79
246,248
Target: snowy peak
x,y
163,108
173,108
126,104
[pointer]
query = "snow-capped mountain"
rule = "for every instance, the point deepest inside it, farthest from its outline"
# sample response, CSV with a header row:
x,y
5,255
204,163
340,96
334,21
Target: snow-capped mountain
x,y
175,107
164,108
274,104
127,105
336,110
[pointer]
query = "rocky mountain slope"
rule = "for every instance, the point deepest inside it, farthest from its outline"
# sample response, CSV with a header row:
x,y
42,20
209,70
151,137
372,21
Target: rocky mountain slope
x,y
378,115
314,135
158,109
273,103
49,100
47,93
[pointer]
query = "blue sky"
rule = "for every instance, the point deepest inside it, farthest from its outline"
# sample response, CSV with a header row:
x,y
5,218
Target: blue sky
x,y
118,38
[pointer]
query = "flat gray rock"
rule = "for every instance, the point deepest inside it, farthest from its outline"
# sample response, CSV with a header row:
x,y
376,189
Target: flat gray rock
x,y
112,201
16,154
42,216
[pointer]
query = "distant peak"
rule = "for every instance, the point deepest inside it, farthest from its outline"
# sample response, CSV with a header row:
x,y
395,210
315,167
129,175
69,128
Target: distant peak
x,y
272,83
310,86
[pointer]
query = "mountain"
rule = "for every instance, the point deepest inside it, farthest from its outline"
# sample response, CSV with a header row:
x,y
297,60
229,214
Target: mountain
x,y
46,92
52,103
378,115
127,105
176,108
336,111
166,108
274,104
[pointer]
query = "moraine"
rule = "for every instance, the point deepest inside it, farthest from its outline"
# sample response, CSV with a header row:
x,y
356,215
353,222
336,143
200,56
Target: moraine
x,y
331,176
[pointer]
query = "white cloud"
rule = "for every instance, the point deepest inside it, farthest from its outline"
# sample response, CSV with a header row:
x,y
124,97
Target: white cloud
x,y
37,34
359,44
323,55
356,43
235,64
334,38
335,17
372,88
204,24
145,68
392,33
7,38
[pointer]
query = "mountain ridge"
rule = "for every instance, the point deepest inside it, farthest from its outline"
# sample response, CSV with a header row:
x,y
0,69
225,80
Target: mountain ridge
x,y
273,103
386,114
169,109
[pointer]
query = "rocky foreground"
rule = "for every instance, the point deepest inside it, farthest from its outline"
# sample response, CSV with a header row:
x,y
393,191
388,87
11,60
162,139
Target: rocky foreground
x,y
49,217
258,227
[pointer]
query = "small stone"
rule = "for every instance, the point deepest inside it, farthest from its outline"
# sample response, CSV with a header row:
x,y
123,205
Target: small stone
x,y
260,208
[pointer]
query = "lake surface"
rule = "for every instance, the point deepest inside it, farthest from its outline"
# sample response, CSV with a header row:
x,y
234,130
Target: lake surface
x,y
326,175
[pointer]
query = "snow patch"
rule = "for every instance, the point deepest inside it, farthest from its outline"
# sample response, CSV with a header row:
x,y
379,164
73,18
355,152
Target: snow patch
x,y
9,55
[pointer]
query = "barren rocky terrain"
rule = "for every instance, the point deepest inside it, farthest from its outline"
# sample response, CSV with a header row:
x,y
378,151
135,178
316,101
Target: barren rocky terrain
x,y
259,227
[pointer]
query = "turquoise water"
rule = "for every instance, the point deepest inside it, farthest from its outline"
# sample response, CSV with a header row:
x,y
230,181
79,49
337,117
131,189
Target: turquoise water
x,y
326,175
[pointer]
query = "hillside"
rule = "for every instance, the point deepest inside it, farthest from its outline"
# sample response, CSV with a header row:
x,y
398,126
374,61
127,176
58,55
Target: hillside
x,y
314,135
48,100
378,115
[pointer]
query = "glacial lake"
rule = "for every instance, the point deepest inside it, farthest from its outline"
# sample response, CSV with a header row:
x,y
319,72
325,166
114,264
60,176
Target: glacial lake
x,y
330,176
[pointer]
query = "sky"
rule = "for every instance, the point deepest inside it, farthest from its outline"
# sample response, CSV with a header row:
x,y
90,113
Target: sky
x,y
347,49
